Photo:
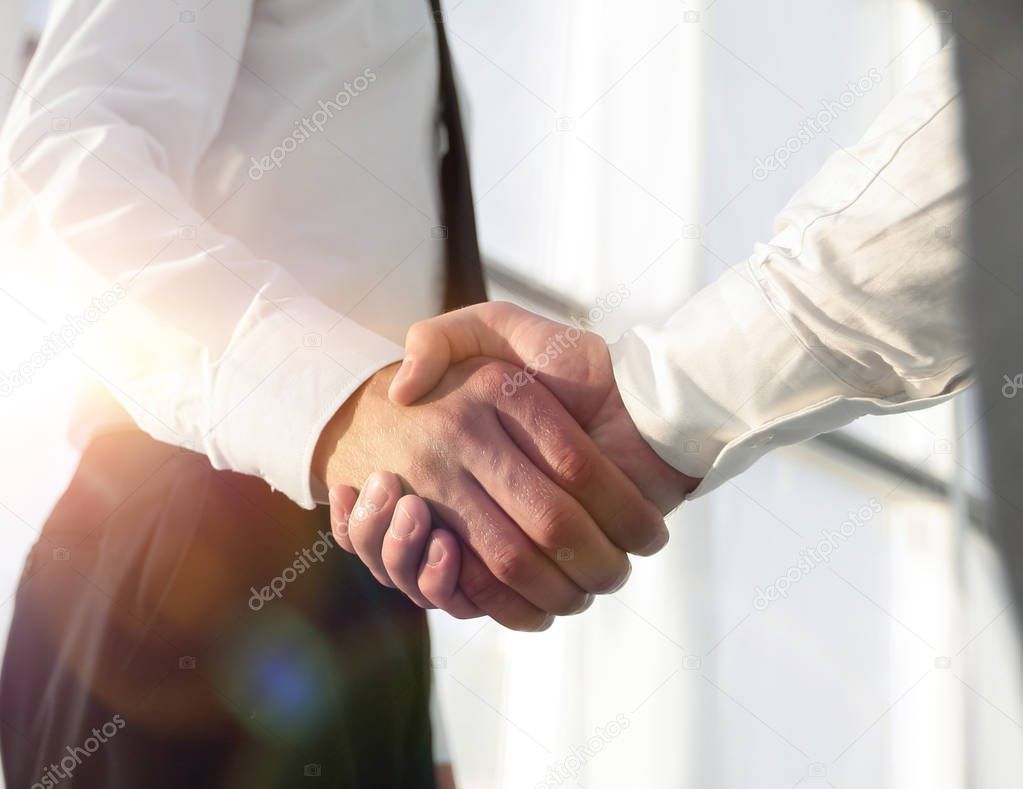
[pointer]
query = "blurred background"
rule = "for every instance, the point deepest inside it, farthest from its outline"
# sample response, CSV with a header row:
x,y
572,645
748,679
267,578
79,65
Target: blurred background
x,y
629,143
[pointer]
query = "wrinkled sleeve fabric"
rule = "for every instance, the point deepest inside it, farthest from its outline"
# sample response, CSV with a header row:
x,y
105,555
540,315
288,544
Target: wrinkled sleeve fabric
x,y
851,309
205,344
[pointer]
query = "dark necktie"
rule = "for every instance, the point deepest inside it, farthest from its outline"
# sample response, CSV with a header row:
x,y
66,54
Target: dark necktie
x,y
464,282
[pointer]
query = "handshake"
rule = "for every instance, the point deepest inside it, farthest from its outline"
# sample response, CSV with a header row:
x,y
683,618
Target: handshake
x,y
527,482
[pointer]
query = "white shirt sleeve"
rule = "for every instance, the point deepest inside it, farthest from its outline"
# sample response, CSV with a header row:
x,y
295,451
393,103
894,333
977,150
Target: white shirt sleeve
x,y
207,345
851,309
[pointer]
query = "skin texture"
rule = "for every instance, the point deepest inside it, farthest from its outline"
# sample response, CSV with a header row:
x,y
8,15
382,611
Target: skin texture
x,y
514,478
576,367
411,555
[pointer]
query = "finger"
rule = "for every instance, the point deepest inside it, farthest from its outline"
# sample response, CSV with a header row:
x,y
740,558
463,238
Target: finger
x,y
510,556
342,502
371,518
553,520
501,603
404,546
631,521
431,346
438,576
556,444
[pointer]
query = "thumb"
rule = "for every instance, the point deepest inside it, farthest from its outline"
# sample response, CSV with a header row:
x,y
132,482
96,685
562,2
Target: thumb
x,y
433,345
427,357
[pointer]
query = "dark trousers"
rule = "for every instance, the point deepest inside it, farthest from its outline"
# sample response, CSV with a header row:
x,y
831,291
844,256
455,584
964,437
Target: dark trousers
x,y
177,626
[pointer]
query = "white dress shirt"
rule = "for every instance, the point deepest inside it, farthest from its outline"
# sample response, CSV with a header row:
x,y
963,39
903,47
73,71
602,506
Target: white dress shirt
x,y
254,190
238,203
851,309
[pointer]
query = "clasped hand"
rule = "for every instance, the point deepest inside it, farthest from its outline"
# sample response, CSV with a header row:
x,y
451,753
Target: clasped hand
x,y
516,483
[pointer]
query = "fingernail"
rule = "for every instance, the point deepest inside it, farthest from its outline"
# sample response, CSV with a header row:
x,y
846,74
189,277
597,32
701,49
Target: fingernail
x,y
622,582
545,625
656,543
403,373
372,499
341,525
436,553
338,515
586,604
403,524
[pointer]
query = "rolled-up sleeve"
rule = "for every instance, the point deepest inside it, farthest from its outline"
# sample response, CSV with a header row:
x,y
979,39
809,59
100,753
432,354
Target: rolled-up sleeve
x,y
851,309
204,343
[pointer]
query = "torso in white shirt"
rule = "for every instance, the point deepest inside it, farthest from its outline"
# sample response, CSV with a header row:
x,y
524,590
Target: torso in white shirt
x,y
327,164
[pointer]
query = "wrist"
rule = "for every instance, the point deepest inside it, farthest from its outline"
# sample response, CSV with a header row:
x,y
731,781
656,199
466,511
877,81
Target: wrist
x,y
667,485
343,455
661,482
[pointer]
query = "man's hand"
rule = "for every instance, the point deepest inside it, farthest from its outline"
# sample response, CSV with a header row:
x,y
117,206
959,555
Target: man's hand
x,y
575,365
515,477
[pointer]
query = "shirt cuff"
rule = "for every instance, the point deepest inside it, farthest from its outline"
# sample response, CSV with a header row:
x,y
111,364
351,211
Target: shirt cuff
x,y
289,368
721,383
